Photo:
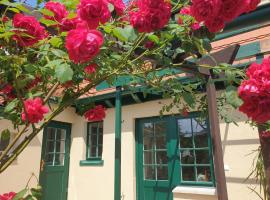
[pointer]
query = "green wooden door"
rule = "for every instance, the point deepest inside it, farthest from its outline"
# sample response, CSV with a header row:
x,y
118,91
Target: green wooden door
x,y
154,180
55,161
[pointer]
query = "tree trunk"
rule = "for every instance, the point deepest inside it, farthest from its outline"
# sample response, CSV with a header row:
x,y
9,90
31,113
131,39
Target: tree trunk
x,y
265,148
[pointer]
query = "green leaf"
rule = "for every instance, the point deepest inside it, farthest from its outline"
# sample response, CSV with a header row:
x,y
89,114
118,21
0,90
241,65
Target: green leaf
x,y
189,99
48,22
130,33
111,7
20,194
47,12
10,106
153,38
59,53
36,192
14,10
22,8
56,42
232,96
63,73
118,33
72,15
5,135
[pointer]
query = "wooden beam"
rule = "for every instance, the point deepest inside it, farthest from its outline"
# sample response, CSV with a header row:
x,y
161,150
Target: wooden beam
x,y
227,55
109,103
136,98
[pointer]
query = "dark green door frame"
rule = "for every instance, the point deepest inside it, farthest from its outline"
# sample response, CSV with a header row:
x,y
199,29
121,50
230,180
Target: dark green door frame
x,y
117,161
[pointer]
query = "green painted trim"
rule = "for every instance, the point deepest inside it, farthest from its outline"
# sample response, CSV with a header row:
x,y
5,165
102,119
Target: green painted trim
x,y
117,161
91,162
247,22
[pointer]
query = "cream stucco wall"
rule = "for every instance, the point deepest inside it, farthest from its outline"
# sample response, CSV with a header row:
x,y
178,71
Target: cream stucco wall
x,y
97,182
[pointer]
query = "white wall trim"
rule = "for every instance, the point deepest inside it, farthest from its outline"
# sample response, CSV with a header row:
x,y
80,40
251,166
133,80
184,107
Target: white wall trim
x,y
195,190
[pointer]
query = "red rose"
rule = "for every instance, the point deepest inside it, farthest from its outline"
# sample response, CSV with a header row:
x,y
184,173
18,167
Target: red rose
x,y
90,69
255,92
185,112
148,19
185,11
7,196
83,44
119,6
69,24
252,5
231,9
149,45
31,27
215,25
95,114
195,26
204,10
58,9
8,91
34,82
4,19
35,110
94,12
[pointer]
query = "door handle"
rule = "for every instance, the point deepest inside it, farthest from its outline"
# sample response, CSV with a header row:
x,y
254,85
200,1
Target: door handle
x,y
42,163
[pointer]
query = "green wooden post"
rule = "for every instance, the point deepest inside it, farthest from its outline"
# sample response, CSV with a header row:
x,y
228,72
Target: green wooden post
x,y
117,161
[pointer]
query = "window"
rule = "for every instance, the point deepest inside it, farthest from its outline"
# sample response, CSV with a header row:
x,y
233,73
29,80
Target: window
x,y
174,150
94,141
196,165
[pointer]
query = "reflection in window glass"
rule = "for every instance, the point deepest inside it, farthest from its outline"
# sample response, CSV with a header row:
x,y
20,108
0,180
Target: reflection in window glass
x,y
194,149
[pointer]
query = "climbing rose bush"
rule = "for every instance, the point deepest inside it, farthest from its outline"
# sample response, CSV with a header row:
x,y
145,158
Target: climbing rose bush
x,y
73,47
255,92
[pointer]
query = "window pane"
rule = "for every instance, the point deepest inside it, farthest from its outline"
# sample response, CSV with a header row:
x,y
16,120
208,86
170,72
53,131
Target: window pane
x,y
161,157
148,136
188,174
93,139
61,134
149,173
51,133
49,159
162,173
60,146
148,143
100,150
149,157
202,157
93,152
185,133
59,159
50,146
204,174
187,157
160,134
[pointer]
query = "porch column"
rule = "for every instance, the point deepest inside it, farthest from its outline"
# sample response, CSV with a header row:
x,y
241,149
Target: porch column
x,y
117,161
216,138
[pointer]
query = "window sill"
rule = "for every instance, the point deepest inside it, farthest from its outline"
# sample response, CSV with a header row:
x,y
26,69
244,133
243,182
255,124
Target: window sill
x,y
195,190
91,162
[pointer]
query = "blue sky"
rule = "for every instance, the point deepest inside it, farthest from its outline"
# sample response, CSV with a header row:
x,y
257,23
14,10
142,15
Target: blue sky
x,y
34,2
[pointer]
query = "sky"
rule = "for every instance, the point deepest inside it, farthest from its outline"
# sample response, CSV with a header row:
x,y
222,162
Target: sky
x,y
34,2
